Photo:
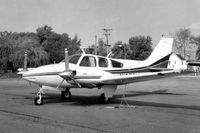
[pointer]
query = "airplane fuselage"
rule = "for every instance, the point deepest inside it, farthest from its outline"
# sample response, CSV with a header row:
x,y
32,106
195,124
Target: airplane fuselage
x,y
89,77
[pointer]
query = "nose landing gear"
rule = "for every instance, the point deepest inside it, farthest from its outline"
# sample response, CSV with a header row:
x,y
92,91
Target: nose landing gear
x,y
39,99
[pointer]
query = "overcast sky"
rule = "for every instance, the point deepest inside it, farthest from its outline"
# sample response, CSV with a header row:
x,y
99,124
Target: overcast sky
x,y
86,18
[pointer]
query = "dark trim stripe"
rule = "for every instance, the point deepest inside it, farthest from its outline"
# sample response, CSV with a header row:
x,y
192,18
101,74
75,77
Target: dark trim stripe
x,y
42,74
87,77
161,60
141,69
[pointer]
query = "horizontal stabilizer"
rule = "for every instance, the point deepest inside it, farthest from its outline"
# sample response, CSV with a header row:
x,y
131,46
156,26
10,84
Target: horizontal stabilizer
x,y
193,63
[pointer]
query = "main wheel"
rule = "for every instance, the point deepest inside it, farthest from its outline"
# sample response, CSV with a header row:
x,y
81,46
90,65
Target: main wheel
x,y
38,101
66,95
103,99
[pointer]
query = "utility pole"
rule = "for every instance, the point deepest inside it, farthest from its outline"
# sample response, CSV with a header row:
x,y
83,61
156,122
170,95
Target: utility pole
x,y
107,33
96,44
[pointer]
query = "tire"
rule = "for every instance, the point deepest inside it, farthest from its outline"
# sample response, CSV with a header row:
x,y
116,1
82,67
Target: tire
x,y
37,101
104,100
66,95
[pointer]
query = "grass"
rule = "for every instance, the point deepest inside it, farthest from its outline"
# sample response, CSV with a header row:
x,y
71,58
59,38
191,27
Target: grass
x,y
9,75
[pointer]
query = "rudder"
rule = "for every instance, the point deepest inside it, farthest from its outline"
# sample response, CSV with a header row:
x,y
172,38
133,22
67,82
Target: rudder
x,y
163,49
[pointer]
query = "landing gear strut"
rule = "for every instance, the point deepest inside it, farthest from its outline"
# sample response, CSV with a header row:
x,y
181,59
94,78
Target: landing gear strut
x,y
103,99
39,99
66,95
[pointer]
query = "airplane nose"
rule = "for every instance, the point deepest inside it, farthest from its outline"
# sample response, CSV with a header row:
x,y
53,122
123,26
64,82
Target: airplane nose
x,y
27,76
30,79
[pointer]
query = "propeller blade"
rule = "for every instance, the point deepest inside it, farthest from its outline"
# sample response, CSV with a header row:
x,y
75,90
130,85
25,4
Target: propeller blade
x,y
66,60
76,82
60,84
25,61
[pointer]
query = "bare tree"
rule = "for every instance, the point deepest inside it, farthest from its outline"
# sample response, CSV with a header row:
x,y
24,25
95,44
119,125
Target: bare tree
x,y
182,41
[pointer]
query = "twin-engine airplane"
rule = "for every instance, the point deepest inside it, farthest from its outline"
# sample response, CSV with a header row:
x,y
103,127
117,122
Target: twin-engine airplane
x,y
93,71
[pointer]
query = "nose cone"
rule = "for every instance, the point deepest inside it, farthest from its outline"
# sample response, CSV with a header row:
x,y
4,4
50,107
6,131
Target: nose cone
x,y
40,74
28,76
30,79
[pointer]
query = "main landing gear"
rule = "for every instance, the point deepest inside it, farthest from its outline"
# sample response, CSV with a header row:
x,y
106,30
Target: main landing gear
x,y
103,99
66,95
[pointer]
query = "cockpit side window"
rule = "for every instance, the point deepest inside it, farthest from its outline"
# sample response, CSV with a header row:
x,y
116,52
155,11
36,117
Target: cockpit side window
x,y
116,64
88,61
103,62
74,59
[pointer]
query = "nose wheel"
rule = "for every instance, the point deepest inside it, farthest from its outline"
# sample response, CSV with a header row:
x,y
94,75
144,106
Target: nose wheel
x,y
39,99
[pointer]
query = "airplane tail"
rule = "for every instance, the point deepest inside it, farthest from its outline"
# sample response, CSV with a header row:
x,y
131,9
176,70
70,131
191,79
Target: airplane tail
x,y
161,53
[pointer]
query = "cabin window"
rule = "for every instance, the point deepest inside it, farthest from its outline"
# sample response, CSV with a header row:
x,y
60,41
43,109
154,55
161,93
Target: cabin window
x,y
103,62
88,61
74,59
116,64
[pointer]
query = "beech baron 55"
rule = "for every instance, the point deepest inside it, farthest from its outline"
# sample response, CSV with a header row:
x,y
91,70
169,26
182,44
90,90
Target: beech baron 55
x,y
93,71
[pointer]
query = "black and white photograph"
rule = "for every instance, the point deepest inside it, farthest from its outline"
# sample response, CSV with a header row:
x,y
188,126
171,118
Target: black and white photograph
x,y
95,66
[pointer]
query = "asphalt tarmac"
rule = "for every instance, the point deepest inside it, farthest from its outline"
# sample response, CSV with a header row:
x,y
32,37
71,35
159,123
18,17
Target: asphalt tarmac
x,y
170,105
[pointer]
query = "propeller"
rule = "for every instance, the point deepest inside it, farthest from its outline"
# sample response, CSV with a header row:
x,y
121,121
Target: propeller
x,y
24,69
25,61
67,74
66,59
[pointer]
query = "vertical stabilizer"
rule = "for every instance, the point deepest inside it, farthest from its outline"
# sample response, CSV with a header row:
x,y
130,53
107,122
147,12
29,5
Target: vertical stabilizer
x,y
163,49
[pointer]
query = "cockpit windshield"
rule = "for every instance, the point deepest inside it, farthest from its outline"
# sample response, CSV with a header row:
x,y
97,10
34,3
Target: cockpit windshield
x,y
73,59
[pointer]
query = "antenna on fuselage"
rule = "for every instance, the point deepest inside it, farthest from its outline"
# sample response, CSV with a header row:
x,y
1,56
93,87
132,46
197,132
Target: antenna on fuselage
x,y
109,54
83,50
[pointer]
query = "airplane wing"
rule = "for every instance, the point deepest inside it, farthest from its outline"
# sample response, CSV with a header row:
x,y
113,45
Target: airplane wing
x,y
134,77
193,63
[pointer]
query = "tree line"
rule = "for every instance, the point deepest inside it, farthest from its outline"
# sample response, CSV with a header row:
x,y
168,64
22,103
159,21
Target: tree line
x,y
43,47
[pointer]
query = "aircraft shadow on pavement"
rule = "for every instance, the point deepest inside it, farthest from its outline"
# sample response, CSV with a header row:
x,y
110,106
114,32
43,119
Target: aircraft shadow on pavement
x,y
75,100
78,100
156,92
